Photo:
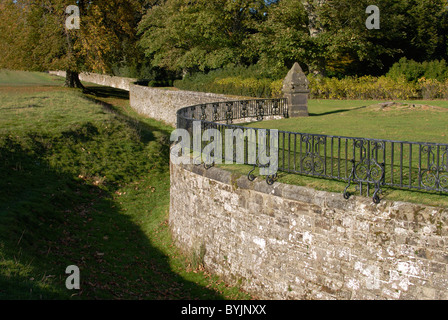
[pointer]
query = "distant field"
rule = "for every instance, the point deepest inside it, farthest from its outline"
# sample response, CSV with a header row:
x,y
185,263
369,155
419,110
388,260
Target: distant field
x,y
24,78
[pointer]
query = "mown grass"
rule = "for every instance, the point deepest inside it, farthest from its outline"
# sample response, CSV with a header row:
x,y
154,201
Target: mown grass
x,y
366,119
27,79
84,181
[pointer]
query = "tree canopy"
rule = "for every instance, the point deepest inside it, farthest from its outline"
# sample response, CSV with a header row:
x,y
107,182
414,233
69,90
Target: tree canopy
x,y
34,34
329,37
326,36
199,35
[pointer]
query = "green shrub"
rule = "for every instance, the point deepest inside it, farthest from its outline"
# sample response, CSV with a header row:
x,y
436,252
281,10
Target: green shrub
x,y
433,89
276,88
366,87
233,80
412,70
160,83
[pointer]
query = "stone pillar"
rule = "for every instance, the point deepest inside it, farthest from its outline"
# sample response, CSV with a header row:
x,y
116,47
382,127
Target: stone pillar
x,y
296,90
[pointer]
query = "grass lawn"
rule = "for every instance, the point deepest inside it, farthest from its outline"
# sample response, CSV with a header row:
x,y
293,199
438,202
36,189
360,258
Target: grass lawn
x,y
426,122
418,121
84,181
27,79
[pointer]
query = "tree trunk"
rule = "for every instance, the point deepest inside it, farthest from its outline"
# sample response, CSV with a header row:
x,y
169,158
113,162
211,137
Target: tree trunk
x,y
72,80
311,8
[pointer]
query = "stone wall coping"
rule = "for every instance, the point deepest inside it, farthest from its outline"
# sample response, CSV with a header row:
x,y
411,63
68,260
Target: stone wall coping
x,y
400,210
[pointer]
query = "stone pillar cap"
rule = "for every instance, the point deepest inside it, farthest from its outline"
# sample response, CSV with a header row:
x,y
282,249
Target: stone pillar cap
x,y
295,81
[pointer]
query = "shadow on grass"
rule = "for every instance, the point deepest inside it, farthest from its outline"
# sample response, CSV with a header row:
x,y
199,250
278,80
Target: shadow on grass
x,y
144,128
108,92
335,111
50,219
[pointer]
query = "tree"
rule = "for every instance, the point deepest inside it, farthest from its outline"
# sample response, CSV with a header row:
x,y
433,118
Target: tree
x,y
311,32
282,38
330,37
14,47
41,41
427,23
408,28
198,35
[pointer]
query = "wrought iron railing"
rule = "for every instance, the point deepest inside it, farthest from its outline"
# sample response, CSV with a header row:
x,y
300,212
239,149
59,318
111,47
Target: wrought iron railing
x,y
369,164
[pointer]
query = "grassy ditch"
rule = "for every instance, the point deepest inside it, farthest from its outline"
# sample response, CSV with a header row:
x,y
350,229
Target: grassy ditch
x,y
85,181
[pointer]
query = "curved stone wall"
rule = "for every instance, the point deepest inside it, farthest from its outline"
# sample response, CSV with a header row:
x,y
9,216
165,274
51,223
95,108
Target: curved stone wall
x,y
161,104
291,242
101,79
157,103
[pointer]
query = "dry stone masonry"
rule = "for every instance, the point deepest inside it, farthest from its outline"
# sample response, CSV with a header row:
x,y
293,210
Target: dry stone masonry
x,y
291,242
101,79
162,104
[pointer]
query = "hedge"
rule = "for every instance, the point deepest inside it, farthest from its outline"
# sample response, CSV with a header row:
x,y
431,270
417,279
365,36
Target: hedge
x,y
367,87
